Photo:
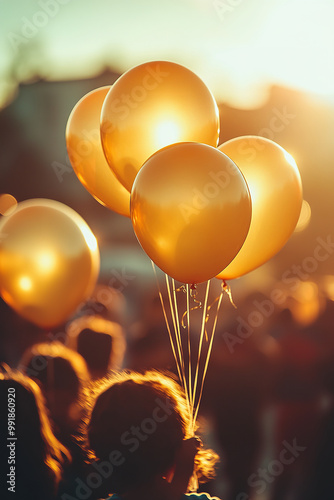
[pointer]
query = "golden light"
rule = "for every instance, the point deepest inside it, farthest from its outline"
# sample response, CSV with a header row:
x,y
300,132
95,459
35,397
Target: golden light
x,y
276,191
89,237
167,132
47,253
304,218
290,159
162,243
162,216
307,305
46,261
7,204
306,291
92,169
162,103
282,43
25,283
255,190
305,38
328,284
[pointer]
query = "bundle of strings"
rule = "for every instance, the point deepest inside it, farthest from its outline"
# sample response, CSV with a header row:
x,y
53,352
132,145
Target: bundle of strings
x,y
192,359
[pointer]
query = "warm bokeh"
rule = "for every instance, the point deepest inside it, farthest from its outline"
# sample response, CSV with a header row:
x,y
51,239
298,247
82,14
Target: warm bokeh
x,y
269,65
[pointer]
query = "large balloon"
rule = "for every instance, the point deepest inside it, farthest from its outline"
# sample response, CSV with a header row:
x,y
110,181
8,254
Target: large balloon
x,y
276,192
151,106
49,261
191,210
83,141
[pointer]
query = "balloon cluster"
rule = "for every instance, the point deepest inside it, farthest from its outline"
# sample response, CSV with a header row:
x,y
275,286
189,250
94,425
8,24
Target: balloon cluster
x,y
146,147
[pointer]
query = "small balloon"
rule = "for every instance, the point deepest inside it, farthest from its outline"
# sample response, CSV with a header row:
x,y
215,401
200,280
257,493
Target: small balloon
x,y
190,210
83,141
151,106
276,192
49,261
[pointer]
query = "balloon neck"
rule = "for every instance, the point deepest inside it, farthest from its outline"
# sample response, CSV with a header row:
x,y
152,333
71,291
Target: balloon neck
x,y
227,289
193,287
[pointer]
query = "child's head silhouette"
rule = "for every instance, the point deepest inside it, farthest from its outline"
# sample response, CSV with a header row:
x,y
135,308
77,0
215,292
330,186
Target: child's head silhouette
x,y
138,423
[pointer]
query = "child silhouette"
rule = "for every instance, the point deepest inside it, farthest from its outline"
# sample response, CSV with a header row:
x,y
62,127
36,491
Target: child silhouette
x,y
139,430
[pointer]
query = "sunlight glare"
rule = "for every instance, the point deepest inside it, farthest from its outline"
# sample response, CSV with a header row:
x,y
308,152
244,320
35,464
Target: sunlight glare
x,y
89,237
46,261
167,132
304,218
25,283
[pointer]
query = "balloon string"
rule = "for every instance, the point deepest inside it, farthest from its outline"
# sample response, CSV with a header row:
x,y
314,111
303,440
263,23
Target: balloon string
x,y
227,289
174,324
186,314
190,387
189,355
208,316
167,323
178,339
193,483
209,351
187,386
177,316
212,304
200,342
193,295
184,289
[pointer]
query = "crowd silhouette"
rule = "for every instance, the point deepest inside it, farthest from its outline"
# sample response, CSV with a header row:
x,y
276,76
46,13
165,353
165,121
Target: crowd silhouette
x,y
101,414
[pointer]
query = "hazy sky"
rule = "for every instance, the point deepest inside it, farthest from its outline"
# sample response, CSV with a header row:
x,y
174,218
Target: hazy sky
x,y
236,46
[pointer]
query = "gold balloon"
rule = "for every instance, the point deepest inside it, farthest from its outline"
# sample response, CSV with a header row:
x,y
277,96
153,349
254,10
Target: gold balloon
x,y
276,191
83,141
191,210
49,261
151,106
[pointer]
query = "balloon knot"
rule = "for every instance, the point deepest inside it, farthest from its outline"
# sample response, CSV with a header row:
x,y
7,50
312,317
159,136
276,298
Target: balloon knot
x,y
227,289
